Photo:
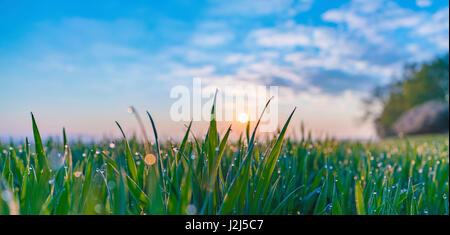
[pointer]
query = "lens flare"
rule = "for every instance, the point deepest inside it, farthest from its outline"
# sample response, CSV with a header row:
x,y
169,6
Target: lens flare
x,y
150,159
243,118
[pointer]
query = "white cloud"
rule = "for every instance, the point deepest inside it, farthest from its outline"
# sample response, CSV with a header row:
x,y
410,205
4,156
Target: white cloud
x,y
212,39
272,38
441,41
437,23
436,28
268,69
261,73
324,47
292,35
188,54
260,7
189,72
371,19
423,3
212,33
359,46
238,58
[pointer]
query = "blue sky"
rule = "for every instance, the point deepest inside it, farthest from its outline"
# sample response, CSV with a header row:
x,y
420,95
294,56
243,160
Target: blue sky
x,y
80,64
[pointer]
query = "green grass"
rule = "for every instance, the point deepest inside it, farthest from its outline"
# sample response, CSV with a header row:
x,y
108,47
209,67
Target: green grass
x,y
211,175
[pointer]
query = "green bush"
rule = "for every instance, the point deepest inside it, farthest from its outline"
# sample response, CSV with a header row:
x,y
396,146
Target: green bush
x,y
418,84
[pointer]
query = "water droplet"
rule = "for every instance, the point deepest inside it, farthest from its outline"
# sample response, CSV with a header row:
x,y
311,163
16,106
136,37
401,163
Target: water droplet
x,y
150,159
98,208
7,196
55,160
77,174
191,209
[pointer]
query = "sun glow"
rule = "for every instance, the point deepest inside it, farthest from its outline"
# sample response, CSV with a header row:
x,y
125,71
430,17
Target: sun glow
x,y
243,118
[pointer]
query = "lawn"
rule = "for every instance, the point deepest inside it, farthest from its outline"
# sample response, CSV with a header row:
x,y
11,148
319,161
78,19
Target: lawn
x,y
212,175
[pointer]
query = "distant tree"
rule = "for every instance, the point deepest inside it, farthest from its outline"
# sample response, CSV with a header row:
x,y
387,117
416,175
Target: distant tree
x,y
418,84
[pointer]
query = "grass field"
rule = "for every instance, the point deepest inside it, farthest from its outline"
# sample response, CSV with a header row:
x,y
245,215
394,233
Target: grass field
x,y
211,175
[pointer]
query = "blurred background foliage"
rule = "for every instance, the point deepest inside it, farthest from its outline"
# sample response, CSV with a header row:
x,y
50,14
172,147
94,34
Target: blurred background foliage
x,y
418,84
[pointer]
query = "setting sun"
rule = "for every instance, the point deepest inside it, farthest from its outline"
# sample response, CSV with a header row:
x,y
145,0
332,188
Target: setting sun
x,y
243,118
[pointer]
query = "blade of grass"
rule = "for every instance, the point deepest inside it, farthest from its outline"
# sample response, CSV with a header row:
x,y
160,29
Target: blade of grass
x,y
359,199
42,160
